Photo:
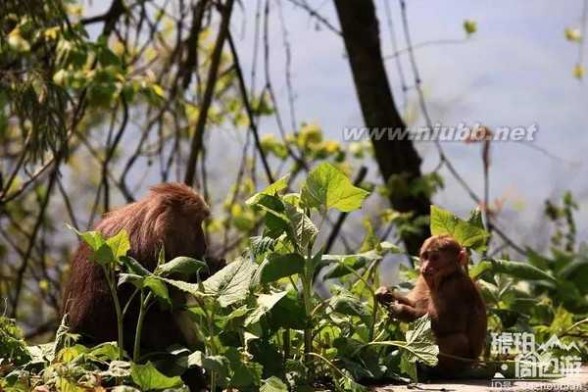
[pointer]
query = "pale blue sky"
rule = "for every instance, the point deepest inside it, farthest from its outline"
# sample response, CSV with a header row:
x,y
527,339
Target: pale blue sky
x,y
516,70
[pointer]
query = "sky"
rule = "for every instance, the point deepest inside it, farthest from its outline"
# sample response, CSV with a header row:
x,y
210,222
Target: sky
x,y
516,70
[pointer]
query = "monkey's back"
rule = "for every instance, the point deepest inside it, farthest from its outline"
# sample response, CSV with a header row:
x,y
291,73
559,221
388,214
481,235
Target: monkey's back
x,y
169,216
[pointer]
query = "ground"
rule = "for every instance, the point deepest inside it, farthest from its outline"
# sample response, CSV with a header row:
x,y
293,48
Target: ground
x,y
576,382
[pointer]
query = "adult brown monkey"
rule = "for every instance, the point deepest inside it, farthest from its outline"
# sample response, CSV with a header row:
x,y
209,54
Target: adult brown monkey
x,y
170,217
448,295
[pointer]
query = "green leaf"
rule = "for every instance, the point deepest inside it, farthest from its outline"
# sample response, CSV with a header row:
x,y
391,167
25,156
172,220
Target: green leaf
x,y
258,245
105,352
231,284
105,252
420,343
276,221
134,266
475,218
270,190
478,269
345,302
303,230
216,363
157,287
327,187
134,279
288,313
104,256
467,234
244,373
182,265
346,264
106,57
265,302
119,244
520,270
147,377
277,266
273,384
93,239
191,288
409,367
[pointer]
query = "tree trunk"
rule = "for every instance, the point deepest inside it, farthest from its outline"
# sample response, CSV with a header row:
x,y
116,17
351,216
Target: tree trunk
x,y
362,40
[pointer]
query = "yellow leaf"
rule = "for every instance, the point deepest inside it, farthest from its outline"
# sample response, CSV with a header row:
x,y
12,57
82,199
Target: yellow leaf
x,y
17,42
118,48
579,71
573,35
470,26
156,88
51,33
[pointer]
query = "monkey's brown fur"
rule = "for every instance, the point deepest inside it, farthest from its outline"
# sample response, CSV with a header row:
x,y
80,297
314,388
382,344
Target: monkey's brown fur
x,y
452,300
170,216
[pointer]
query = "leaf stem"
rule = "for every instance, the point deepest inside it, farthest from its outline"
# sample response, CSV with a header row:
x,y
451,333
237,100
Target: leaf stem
x,y
142,313
109,274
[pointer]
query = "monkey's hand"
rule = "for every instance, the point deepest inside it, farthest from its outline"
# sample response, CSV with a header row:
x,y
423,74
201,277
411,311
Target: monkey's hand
x,y
385,296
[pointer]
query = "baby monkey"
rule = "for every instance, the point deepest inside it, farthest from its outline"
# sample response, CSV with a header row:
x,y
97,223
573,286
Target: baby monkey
x,y
452,300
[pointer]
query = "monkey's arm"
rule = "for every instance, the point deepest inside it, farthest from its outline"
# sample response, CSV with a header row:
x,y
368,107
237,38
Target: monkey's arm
x,y
406,313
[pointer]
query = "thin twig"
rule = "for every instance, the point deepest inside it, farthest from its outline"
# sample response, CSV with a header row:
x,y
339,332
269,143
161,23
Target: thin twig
x,y
250,115
198,138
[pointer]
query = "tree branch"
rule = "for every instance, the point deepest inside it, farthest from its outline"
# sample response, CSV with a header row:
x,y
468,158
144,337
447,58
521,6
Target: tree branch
x,y
197,140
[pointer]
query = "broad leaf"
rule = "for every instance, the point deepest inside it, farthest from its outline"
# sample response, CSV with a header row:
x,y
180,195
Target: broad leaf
x,y
277,266
265,302
258,245
93,239
467,234
190,288
231,284
520,270
273,384
345,302
288,313
134,279
158,287
105,351
420,343
327,187
119,244
302,228
244,373
347,264
134,266
270,190
475,218
180,265
147,377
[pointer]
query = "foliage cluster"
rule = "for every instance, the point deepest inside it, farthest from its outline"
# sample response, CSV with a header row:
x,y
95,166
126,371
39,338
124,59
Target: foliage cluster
x,y
263,326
